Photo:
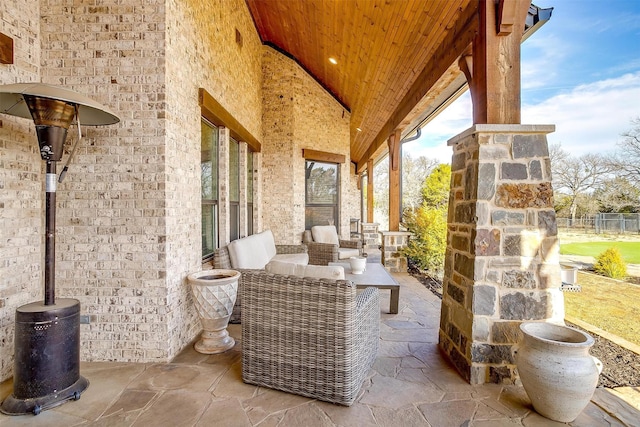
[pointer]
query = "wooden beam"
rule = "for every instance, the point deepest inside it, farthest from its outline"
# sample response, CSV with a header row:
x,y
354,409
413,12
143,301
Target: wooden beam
x,y
495,82
454,44
6,49
394,181
394,149
370,191
213,111
507,11
322,156
466,66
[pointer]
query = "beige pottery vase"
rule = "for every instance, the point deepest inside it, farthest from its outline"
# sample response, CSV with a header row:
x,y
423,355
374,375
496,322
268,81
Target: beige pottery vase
x,y
556,369
214,294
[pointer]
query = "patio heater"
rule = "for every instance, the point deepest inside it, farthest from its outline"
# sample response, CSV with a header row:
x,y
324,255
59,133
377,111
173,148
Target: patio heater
x,y
47,333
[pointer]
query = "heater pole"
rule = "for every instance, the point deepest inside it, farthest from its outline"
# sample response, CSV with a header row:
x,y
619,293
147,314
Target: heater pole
x,y
50,236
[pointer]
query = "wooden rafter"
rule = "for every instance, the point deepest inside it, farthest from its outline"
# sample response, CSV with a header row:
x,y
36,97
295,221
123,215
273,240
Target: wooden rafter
x,y
454,43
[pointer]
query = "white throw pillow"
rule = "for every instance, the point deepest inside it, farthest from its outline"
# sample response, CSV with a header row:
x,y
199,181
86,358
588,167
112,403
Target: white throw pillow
x,y
325,234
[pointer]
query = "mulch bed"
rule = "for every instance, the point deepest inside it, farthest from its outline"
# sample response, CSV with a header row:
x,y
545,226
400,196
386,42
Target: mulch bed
x,y
621,367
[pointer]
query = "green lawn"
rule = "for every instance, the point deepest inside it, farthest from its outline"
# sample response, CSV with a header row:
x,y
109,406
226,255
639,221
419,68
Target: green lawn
x,y
608,304
630,250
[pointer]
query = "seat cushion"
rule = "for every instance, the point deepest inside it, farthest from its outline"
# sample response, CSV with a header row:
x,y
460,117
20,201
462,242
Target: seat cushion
x,y
281,267
346,253
325,234
333,272
301,258
248,252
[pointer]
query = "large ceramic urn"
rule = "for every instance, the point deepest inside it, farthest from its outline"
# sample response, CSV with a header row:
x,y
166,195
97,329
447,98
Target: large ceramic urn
x,y
556,369
214,294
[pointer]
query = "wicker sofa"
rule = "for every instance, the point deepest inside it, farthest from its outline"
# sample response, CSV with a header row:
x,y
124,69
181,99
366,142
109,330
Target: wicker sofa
x,y
324,245
313,337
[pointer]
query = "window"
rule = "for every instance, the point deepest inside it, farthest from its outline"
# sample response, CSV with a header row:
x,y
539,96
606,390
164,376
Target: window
x,y
234,189
322,193
209,191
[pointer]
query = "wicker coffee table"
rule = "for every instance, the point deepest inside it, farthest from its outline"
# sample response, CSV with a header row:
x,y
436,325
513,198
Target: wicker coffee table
x,y
374,276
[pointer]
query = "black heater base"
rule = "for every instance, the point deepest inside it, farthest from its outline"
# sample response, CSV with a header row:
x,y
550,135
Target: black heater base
x,y
14,406
47,357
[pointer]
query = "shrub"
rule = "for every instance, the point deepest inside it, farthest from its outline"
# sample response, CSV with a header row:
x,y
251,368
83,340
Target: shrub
x,y
610,263
428,244
428,223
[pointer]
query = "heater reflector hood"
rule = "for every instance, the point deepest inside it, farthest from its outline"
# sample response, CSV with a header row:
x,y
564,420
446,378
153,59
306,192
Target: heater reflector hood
x,y
90,112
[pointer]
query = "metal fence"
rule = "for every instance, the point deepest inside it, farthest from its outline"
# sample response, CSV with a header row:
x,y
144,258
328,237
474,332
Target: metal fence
x,y
606,223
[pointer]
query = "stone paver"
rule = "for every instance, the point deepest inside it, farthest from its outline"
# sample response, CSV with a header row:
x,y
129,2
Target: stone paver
x,y
411,384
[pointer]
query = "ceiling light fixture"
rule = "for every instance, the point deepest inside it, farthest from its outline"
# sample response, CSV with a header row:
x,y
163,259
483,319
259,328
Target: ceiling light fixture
x,y
333,61
359,130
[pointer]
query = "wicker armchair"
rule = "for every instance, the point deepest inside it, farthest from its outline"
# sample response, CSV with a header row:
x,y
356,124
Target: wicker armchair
x,y
221,259
324,253
313,337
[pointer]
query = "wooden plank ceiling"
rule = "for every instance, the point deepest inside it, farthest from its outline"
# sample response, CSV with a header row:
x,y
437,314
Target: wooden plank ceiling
x,y
394,57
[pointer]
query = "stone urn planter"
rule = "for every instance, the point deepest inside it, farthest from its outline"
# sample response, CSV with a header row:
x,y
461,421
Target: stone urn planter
x,y
568,274
214,294
556,369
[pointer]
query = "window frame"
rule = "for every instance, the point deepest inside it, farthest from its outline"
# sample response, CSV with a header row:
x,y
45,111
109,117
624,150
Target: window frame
x,y
213,203
335,205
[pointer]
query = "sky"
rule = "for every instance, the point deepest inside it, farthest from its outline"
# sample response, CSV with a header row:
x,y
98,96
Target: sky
x,y
580,72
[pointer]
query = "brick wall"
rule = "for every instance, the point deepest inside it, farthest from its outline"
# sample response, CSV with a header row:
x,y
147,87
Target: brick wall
x,y
129,209
21,181
299,113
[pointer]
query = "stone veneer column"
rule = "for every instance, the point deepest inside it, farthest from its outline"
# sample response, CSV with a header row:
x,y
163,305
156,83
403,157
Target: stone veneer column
x,y
502,262
392,244
370,235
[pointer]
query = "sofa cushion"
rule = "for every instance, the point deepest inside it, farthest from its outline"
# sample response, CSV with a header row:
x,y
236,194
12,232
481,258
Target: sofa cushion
x,y
300,258
333,272
325,234
281,267
346,253
248,252
268,242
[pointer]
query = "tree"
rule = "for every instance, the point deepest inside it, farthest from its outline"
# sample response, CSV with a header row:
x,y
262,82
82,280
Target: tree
x,y
414,172
381,193
618,195
435,190
577,175
626,162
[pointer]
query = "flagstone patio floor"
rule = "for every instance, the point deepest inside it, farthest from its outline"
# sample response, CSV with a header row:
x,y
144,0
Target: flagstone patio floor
x,y
411,384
